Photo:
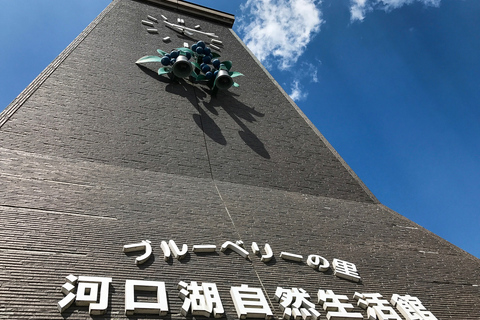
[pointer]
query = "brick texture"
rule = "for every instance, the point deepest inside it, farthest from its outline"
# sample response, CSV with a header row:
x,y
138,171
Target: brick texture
x,y
100,152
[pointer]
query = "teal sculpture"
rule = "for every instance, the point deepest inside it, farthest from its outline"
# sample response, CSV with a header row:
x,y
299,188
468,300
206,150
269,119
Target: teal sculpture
x,y
199,63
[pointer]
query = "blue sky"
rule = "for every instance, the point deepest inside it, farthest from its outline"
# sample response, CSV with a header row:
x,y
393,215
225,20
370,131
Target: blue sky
x,y
394,85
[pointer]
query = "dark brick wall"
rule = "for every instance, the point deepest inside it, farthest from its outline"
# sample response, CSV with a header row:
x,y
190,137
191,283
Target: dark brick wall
x,y
104,153
100,106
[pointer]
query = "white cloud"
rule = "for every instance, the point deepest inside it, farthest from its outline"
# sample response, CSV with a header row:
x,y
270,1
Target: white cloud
x,y
297,94
358,8
278,31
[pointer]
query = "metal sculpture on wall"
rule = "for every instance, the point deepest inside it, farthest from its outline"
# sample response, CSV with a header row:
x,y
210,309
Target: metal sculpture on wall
x,y
197,63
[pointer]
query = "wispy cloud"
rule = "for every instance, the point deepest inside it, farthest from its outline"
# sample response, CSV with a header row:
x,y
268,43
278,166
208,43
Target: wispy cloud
x,y
297,93
305,77
278,31
308,70
315,76
394,4
359,8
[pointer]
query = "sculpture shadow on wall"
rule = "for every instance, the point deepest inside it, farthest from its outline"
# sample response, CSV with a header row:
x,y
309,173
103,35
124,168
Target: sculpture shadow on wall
x,y
178,86
184,89
225,100
154,74
239,112
203,120
209,127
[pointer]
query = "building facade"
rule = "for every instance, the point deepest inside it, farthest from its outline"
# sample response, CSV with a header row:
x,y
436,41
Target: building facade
x,y
104,160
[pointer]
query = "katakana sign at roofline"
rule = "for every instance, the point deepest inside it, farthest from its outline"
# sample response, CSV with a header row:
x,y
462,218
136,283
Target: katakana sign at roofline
x,y
341,268
204,300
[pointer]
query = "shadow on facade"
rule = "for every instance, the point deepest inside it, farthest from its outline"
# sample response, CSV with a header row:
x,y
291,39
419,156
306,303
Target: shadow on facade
x,y
239,112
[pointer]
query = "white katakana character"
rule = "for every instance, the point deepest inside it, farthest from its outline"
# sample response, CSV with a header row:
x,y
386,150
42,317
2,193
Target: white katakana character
x,y
131,306
411,308
250,302
336,306
291,256
377,308
89,291
204,248
166,250
299,300
144,245
345,270
200,300
178,254
235,247
171,247
268,252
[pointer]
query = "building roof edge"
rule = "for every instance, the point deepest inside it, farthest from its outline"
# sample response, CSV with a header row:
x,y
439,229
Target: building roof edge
x,y
23,96
310,124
